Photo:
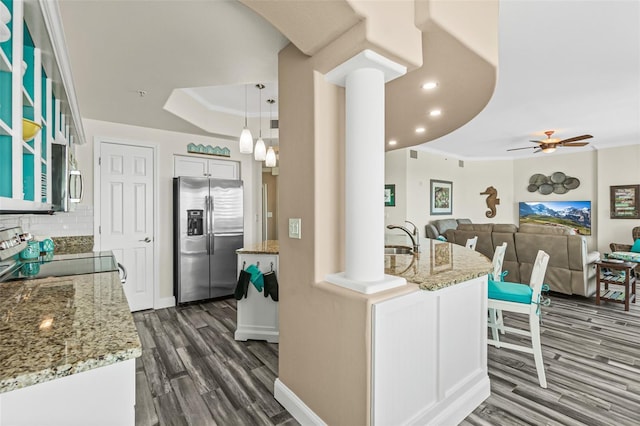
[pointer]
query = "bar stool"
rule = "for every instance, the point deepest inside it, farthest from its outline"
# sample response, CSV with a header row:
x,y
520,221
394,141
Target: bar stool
x,y
524,299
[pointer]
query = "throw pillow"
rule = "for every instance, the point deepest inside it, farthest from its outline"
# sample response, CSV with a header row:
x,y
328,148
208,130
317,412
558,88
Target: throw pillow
x,y
636,246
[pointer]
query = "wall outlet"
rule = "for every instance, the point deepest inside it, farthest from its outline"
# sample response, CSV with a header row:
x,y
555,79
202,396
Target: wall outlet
x,y
295,228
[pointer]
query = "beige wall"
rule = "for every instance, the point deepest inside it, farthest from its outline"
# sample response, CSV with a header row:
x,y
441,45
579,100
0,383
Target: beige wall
x,y
395,166
615,166
168,144
597,170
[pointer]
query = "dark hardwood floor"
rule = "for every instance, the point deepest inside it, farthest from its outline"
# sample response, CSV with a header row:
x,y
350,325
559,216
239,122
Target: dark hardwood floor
x,y
192,371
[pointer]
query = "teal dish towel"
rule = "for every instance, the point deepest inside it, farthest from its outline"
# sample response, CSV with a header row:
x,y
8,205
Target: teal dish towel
x,y
256,277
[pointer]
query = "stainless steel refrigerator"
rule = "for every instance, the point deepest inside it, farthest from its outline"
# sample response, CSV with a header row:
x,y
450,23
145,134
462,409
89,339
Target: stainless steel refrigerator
x,y
208,229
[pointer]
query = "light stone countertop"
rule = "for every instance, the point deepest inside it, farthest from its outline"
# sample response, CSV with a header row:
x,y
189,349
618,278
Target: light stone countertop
x,y
263,247
439,265
55,327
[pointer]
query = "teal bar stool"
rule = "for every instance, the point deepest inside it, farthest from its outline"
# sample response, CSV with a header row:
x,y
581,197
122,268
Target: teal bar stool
x,y
523,299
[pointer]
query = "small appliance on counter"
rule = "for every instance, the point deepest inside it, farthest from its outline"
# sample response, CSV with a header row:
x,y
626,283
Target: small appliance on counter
x,y
13,241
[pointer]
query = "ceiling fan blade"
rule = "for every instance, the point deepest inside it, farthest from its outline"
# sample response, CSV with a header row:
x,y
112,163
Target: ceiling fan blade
x,y
575,138
576,144
517,149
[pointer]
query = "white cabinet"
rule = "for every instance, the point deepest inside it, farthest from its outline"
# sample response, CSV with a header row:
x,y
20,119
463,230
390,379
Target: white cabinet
x,y
30,88
184,165
102,396
258,317
429,358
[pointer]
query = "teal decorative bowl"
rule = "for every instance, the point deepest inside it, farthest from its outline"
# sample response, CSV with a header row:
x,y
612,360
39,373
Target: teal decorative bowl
x,y
31,269
32,251
47,245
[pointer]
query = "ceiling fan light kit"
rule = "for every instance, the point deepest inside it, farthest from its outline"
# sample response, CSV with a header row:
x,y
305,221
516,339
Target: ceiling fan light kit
x,y
549,145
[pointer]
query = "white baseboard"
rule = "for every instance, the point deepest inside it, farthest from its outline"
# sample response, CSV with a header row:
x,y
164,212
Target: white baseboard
x,y
164,302
249,334
464,405
295,406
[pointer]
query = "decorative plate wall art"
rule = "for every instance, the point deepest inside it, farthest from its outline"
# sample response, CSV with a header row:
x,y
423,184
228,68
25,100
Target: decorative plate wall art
x,y
556,183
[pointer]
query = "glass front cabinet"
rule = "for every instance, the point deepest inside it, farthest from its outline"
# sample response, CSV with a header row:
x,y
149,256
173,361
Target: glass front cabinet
x,y
34,107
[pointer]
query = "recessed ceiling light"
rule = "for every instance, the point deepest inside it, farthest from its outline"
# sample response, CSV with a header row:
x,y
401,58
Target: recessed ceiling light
x,y
393,142
430,85
420,129
435,112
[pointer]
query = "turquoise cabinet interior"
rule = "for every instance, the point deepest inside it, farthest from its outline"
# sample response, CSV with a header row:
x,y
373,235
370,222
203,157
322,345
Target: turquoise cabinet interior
x,y
25,169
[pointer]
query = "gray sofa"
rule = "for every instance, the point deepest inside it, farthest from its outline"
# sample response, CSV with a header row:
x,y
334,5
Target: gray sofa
x,y
435,228
570,270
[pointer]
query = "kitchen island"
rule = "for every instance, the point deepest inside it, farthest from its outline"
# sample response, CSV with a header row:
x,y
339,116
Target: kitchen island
x,y
414,354
258,317
67,351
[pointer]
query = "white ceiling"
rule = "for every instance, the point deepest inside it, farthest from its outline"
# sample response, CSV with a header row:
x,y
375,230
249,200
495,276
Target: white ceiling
x,y
571,66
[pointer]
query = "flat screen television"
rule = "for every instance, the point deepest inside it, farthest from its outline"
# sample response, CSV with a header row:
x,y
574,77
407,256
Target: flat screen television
x,y
571,214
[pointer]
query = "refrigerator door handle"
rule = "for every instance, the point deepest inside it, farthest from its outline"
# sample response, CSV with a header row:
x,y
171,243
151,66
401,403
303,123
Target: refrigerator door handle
x,y
211,224
207,230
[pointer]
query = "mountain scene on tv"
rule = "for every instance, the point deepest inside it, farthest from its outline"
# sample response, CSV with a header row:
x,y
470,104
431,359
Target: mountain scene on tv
x,y
571,214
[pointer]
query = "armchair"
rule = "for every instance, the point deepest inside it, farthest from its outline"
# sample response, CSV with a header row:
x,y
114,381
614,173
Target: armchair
x,y
635,232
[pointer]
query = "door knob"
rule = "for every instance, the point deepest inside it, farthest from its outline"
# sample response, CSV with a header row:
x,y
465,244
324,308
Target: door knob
x,y
146,240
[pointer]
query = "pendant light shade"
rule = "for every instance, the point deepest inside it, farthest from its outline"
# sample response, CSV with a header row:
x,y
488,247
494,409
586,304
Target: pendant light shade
x,y
246,140
270,160
260,152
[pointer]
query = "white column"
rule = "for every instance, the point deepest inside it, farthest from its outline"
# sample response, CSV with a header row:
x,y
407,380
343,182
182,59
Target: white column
x,y
364,204
364,77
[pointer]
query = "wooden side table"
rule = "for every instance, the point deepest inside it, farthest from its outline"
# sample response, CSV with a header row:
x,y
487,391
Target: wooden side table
x,y
617,274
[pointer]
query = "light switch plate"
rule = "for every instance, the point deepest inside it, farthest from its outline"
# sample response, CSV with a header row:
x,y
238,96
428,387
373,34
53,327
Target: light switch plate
x,y
295,225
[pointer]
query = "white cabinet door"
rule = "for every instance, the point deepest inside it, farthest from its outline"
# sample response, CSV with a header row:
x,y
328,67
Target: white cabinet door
x,y
223,169
203,167
189,166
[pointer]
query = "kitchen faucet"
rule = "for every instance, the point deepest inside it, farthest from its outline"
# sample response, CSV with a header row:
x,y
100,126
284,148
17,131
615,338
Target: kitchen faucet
x,y
415,236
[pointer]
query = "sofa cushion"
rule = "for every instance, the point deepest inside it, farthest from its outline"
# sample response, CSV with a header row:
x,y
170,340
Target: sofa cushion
x,y
532,228
505,227
485,227
463,221
636,246
443,224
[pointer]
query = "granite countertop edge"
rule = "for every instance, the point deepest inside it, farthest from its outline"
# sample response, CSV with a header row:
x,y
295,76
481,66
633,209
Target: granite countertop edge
x,y
48,374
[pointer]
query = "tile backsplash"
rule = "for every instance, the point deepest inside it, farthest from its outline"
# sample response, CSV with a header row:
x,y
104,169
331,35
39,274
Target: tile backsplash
x,y
60,224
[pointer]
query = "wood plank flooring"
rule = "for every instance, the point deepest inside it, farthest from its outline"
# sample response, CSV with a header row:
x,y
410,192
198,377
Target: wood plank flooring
x,y
192,371
592,362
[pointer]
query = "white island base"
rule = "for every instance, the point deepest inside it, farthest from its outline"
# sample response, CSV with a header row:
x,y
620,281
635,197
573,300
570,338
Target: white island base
x,y
429,358
103,396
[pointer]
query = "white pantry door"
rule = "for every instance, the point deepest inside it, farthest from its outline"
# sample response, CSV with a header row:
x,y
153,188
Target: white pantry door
x,y
126,216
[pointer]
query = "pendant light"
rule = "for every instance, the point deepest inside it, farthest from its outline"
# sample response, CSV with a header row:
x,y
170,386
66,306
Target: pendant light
x,y
270,159
246,140
260,152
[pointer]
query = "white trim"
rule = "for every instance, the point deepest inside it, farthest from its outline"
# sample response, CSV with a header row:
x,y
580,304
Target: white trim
x,y
158,303
454,413
164,302
365,287
53,22
295,406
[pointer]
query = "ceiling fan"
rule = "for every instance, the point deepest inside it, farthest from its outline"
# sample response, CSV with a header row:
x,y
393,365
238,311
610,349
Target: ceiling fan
x,y
550,144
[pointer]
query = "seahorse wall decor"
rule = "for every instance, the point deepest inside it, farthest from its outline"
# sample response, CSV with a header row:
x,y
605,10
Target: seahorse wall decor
x,y
492,200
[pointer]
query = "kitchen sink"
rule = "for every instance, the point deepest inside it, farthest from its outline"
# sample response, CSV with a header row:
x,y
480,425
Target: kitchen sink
x,y
398,250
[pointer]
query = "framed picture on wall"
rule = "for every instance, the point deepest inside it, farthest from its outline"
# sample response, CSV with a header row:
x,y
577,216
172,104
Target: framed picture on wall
x,y
390,195
625,201
441,197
